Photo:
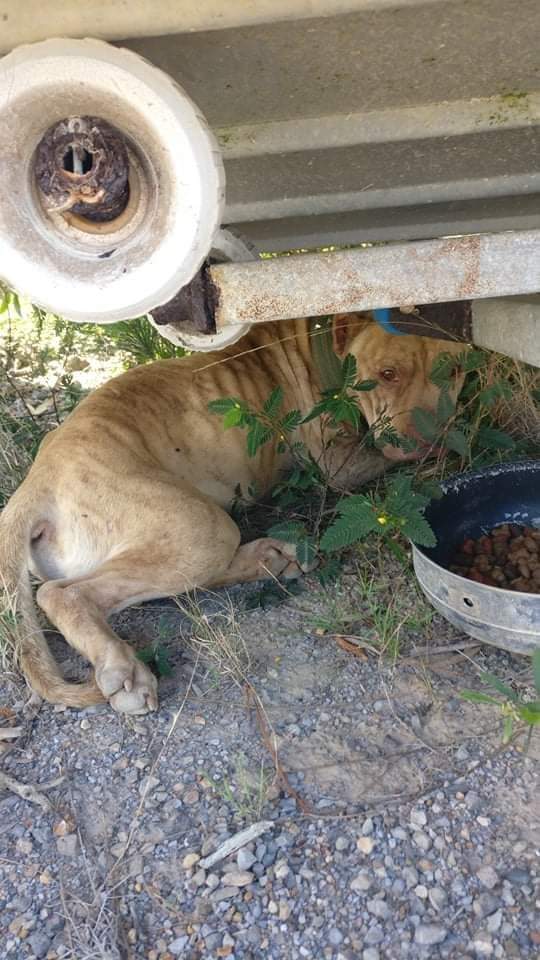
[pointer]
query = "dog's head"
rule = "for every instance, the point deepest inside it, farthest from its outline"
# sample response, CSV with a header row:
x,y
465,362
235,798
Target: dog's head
x,y
402,367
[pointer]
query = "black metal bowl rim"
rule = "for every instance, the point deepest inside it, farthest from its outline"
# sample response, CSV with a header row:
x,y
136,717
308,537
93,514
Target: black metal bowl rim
x,y
457,480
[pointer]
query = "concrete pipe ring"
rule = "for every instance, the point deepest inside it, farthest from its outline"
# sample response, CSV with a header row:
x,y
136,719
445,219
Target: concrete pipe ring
x,y
112,183
227,248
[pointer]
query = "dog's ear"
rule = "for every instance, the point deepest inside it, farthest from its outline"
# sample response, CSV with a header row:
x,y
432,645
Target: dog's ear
x,y
345,326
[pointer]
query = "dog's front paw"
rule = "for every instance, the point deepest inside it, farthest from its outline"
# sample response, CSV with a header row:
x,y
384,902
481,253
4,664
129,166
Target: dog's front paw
x,y
127,683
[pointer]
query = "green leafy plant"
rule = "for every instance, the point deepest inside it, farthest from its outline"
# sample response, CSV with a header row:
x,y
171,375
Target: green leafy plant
x,y
519,715
399,510
468,429
268,423
155,655
340,405
141,341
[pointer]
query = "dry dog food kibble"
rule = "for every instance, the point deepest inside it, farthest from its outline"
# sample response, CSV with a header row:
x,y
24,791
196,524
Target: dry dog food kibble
x,y
508,557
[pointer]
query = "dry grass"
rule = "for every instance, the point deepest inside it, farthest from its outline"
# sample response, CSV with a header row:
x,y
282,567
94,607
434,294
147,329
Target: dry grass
x,y
519,414
216,639
8,629
15,459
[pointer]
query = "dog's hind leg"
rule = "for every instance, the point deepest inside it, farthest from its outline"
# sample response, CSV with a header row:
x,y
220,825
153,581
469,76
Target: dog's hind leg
x,y
166,561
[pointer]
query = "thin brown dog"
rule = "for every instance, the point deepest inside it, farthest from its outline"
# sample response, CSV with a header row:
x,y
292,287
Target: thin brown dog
x,y
127,500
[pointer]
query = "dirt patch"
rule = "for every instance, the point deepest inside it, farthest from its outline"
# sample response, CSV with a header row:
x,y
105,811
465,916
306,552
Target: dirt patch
x,y
407,799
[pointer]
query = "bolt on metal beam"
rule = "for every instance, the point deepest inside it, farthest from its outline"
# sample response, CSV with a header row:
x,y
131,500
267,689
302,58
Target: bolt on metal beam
x,y
433,271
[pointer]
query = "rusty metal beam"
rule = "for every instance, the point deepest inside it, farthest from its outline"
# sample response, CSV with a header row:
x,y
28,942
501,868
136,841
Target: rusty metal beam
x,y
394,275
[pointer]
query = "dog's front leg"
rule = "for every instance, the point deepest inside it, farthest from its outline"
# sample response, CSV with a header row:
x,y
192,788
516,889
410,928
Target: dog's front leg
x,y
347,462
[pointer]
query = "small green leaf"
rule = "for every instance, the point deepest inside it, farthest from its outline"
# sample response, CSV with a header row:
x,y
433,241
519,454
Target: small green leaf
x,y
146,655
419,531
508,729
290,421
348,371
445,407
233,418
163,666
223,404
472,360
257,436
358,518
288,531
426,424
457,441
496,391
320,407
272,405
529,713
475,697
494,439
500,686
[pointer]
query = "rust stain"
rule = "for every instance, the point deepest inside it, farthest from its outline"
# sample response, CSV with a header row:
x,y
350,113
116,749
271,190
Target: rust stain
x,y
81,165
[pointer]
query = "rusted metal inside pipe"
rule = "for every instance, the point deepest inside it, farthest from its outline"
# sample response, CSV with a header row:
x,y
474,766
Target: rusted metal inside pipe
x,y
81,165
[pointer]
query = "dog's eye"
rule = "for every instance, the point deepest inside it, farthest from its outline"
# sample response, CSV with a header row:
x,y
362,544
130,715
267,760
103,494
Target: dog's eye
x,y
388,374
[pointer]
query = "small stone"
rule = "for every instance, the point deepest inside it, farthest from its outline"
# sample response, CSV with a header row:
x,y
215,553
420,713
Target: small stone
x,y
238,878
375,934
421,891
273,907
367,826
485,904
245,859
190,860
177,946
281,869
379,909
422,840
483,821
224,894
335,936
418,817
518,877
24,846
39,944
437,897
361,883
483,946
284,910
199,878
429,934
67,846
410,875
488,877
493,922
365,844
342,843
191,796
371,953
148,784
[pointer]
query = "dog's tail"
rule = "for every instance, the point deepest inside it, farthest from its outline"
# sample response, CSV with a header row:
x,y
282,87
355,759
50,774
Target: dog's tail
x,y
19,626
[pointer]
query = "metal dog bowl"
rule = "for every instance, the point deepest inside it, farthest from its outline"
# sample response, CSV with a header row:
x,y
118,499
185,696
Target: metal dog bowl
x,y
472,504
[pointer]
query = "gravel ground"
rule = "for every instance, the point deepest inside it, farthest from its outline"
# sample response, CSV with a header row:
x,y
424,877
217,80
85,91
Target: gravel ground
x,y
396,826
